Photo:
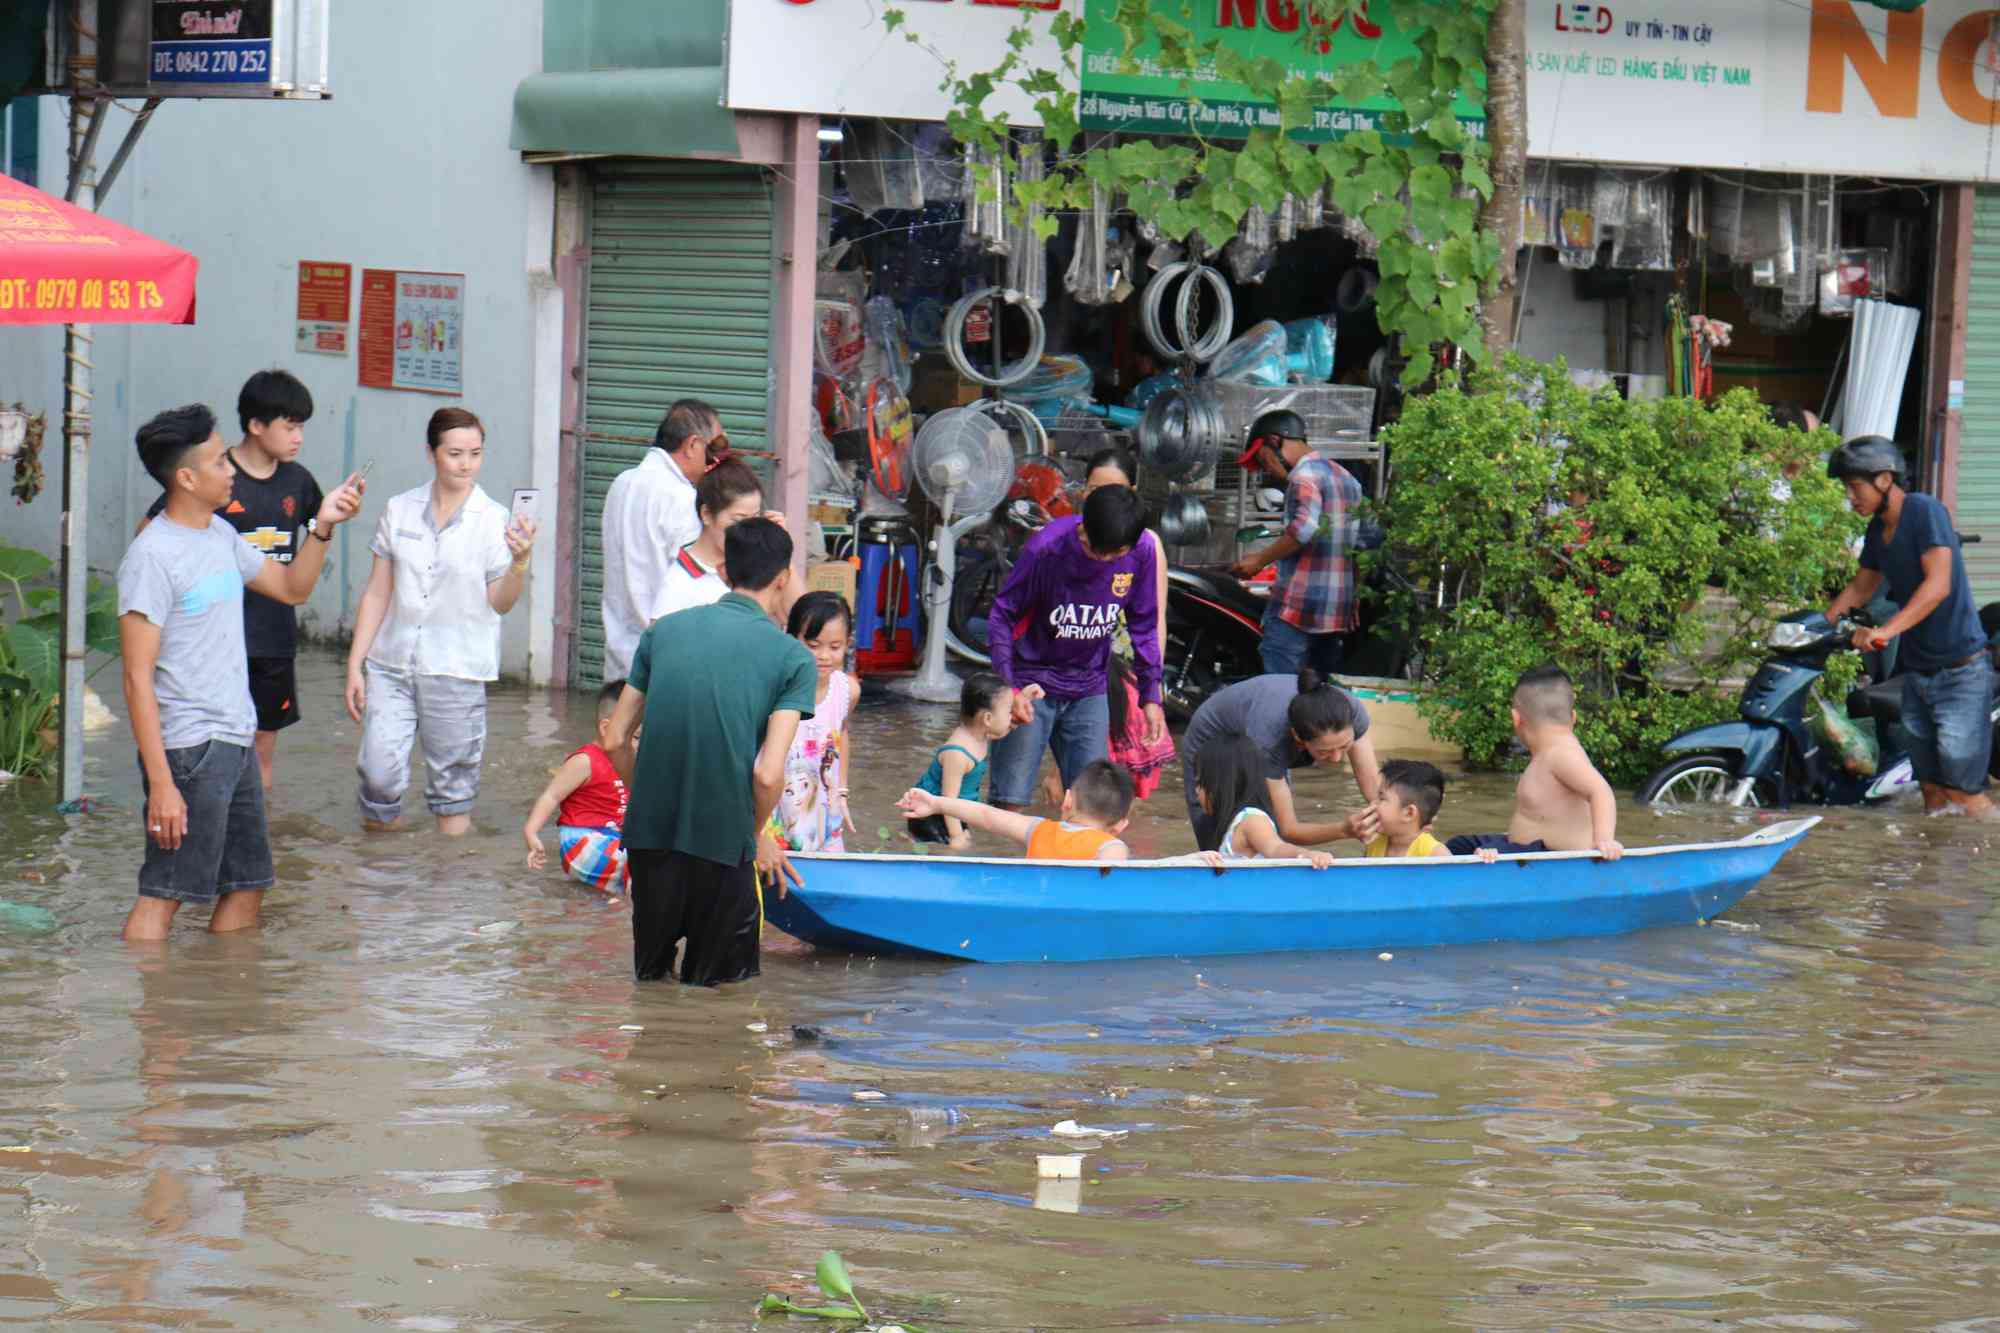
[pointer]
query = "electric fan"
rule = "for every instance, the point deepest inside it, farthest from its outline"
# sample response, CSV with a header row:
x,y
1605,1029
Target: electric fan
x,y
964,462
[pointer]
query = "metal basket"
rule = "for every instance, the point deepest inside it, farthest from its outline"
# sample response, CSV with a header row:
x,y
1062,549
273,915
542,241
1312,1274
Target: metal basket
x,y
1079,435
1339,421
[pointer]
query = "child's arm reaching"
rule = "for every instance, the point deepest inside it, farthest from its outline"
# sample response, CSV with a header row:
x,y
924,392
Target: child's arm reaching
x,y
952,768
573,774
1574,770
1262,835
921,804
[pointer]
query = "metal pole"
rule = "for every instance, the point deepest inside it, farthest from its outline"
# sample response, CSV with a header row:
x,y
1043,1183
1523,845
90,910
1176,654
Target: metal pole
x,y
86,119
126,145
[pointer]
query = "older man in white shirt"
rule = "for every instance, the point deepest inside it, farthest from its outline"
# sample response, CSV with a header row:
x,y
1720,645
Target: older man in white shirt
x,y
649,515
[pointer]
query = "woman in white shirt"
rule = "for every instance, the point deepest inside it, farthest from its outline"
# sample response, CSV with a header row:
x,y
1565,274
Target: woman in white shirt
x,y
448,564
726,495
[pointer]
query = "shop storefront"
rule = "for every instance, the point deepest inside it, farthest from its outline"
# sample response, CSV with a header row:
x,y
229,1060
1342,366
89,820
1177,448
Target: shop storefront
x,y
794,227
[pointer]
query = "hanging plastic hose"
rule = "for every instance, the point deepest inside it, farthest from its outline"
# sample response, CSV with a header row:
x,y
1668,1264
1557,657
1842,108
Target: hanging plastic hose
x,y
1197,276
954,338
1034,435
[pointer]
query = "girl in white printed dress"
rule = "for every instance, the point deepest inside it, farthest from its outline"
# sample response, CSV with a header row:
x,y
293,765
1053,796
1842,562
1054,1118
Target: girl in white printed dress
x,y
812,809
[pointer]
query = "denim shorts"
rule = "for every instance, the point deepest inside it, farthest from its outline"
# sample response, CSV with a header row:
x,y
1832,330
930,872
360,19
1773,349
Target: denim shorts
x,y
1948,716
227,848
1078,730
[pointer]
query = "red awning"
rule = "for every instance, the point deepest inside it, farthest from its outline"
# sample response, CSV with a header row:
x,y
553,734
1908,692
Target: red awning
x,y
60,264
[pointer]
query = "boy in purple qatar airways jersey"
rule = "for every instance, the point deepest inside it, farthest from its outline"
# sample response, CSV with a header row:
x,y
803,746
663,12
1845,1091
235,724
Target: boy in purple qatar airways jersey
x,y
1050,633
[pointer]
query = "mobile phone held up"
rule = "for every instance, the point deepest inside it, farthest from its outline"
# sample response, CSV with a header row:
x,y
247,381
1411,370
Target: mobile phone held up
x,y
525,503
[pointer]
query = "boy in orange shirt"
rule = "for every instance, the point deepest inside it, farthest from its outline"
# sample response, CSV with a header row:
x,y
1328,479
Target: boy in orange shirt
x,y
1094,812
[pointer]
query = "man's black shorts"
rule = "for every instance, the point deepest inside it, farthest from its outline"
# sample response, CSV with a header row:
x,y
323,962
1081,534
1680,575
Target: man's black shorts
x,y
712,906
1467,844
274,691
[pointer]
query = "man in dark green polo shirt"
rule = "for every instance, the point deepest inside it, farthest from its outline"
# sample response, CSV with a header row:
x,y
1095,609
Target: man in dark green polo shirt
x,y
722,691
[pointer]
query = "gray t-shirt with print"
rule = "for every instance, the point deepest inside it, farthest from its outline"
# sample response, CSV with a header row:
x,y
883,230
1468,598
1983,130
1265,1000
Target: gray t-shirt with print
x,y
1259,708
189,582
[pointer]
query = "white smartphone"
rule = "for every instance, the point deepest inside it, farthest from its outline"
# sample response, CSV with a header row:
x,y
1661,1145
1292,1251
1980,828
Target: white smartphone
x,y
525,501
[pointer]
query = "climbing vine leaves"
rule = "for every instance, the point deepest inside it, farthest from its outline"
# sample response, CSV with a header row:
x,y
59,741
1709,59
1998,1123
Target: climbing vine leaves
x,y
1416,182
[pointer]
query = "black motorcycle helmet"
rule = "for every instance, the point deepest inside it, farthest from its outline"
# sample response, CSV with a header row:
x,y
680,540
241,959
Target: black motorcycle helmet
x,y
1866,456
1270,431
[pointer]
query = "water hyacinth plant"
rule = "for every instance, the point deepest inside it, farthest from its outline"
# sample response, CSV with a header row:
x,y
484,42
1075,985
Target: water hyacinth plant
x,y
838,1289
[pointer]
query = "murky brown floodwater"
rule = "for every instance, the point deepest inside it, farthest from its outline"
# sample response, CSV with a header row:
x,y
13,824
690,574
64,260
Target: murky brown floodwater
x,y
370,1114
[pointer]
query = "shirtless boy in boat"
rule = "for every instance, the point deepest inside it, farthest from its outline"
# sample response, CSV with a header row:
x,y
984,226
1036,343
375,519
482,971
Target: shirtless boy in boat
x,y
1563,803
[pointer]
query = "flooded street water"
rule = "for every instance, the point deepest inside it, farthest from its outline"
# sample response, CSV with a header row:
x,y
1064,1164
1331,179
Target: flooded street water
x,y
372,1113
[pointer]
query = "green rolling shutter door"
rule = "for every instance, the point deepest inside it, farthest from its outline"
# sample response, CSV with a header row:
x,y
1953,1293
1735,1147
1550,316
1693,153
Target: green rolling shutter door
x,y
1979,439
679,306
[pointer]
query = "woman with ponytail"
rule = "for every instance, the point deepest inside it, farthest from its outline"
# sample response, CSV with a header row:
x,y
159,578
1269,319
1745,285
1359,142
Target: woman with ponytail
x,y
1294,721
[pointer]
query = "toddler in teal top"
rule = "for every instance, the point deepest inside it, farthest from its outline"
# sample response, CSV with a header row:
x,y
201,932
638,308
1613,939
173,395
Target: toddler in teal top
x,y
958,769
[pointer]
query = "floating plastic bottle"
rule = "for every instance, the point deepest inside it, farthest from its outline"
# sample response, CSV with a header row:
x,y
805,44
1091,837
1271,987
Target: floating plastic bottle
x,y
925,1125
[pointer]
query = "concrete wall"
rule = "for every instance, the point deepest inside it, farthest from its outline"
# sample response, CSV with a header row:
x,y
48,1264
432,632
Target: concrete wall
x,y
406,167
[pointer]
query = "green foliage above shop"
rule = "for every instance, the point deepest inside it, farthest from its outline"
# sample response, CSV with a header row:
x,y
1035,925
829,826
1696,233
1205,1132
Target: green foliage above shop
x,y
1644,546
1417,178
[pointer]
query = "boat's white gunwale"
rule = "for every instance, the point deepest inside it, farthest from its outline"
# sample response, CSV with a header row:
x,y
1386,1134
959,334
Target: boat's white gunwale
x,y
1764,837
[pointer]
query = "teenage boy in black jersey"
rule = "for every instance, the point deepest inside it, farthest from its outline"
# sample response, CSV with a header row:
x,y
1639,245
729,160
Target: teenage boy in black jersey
x,y
273,499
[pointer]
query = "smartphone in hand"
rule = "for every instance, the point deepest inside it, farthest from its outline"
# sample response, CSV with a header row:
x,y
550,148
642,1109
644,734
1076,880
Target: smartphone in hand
x,y
526,500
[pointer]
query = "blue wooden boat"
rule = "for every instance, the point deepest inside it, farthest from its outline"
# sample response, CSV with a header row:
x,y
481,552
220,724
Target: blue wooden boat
x,y
1017,911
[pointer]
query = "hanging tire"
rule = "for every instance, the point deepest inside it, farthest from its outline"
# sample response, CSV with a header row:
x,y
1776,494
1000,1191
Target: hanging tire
x,y
1700,779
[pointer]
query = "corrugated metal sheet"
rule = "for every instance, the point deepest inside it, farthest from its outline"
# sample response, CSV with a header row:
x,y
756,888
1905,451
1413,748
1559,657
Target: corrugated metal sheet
x,y
679,306
1979,441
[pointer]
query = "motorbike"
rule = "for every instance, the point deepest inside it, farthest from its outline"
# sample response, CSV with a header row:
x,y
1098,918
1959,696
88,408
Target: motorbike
x,y
1772,755
1215,628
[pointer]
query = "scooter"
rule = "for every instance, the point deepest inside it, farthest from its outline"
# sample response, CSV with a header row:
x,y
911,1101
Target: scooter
x,y
1772,755
1215,629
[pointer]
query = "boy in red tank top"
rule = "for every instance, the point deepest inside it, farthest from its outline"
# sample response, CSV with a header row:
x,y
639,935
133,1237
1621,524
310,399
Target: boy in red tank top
x,y
587,798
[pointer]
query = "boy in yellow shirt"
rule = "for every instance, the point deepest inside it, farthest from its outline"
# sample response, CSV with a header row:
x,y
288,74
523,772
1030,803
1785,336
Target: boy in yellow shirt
x,y
1407,803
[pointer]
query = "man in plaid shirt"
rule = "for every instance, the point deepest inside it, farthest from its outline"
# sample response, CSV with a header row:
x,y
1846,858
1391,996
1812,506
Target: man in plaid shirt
x,y
1312,609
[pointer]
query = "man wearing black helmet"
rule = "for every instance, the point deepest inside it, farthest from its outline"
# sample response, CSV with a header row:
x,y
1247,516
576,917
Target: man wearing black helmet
x,y
1312,609
1947,681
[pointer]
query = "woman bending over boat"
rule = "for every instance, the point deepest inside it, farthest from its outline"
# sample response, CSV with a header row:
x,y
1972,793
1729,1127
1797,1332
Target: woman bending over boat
x,y
1294,721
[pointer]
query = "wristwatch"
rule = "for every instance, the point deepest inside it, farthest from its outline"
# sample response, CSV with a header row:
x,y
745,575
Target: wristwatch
x,y
324,534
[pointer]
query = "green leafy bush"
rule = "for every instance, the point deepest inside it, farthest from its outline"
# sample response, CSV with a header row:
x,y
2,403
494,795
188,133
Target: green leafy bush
x,y
31,656
1644,546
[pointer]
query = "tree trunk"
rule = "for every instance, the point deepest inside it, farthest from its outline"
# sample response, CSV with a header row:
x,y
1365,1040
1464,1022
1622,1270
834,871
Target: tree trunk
x,y
1507,137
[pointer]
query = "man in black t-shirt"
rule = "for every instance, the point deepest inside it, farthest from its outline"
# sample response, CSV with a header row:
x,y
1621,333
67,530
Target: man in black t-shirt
x,y
272,504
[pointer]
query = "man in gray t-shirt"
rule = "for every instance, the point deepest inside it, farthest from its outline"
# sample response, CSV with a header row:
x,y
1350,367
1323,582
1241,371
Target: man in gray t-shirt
x,y
1294,727
187,687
